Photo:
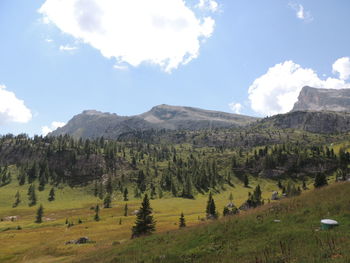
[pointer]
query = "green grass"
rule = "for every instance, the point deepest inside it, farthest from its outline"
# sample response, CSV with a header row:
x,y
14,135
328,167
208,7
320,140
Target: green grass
x,y
252,237
46,242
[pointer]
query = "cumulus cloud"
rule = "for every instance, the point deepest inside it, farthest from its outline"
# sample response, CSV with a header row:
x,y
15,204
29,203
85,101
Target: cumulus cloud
x,y
342,67
45,130
209,5
165,33
300,12
277,90
236,107
12,109
67,48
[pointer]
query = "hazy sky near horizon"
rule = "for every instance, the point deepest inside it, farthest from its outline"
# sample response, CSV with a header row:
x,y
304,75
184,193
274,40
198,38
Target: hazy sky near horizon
x,y
60,57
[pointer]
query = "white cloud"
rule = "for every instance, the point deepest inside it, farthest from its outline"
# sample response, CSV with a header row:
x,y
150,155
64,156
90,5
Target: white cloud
x,y
236,107
121,67
67,48
12,109
48,40
277,90
342,67
165,33
300,12
210,5
45,130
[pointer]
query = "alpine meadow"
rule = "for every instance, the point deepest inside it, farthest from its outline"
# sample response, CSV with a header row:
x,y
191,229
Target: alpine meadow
x,y
222,148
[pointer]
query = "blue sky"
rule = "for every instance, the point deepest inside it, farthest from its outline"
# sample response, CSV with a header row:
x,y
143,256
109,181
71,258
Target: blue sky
x,y
45,63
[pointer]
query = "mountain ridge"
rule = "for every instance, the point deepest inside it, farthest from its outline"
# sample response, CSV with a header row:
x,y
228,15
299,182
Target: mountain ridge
x,y
92,123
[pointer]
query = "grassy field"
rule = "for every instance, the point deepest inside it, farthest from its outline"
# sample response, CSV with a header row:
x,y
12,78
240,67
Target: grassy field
x,y
252,237
46,242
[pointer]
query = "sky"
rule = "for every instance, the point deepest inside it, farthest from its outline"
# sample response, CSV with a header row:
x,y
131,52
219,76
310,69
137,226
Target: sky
x,y
252,57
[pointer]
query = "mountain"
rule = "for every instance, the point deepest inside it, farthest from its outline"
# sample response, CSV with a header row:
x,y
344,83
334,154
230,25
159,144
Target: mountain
x,y
93,124
326,122
313,99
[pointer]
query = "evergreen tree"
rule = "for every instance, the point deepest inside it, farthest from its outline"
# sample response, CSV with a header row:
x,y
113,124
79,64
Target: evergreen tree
x,y
109,186
39,215
52,195
97,210
17,200
230,197
120,221
153,192
32,195
126,210
320,180
211,208
144,224
255,199
125,194
246,181
95,189
107,201
182,221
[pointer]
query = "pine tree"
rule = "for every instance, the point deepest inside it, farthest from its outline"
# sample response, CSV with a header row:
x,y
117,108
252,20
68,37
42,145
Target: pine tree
x,y
120,221
17,200
109,186
246,181
32,195
144,224
211,208
230,197
126,192
126,210
52,195
182,221
320,180
97,210
39,215
107,201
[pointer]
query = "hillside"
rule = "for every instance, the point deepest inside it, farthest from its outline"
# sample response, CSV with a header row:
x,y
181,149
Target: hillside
x,y
313,99
93,124
324,122
252,237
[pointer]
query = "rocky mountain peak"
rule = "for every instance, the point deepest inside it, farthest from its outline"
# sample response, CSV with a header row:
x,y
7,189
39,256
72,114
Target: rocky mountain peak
x,y
313,99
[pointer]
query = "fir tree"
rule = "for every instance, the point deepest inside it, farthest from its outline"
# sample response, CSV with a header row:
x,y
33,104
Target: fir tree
x,y
97,210
107,201
120,221
126,210
182,221
17,200
125,194
52,195
32,195
39,215
109,186
144,224
230,197
211,208
246,181
320,180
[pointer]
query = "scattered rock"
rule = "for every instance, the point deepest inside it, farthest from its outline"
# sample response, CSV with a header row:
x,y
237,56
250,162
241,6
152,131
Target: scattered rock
x,y
81,240
274,196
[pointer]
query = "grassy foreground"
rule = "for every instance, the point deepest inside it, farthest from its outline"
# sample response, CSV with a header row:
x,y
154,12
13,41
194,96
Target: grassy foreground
x,y
252,237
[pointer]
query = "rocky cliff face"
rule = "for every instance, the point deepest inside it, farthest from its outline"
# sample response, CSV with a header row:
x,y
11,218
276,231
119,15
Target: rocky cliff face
x,y
311,121
313,99
93,124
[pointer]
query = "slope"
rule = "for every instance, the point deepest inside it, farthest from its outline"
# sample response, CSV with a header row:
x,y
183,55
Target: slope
x,y
252,237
